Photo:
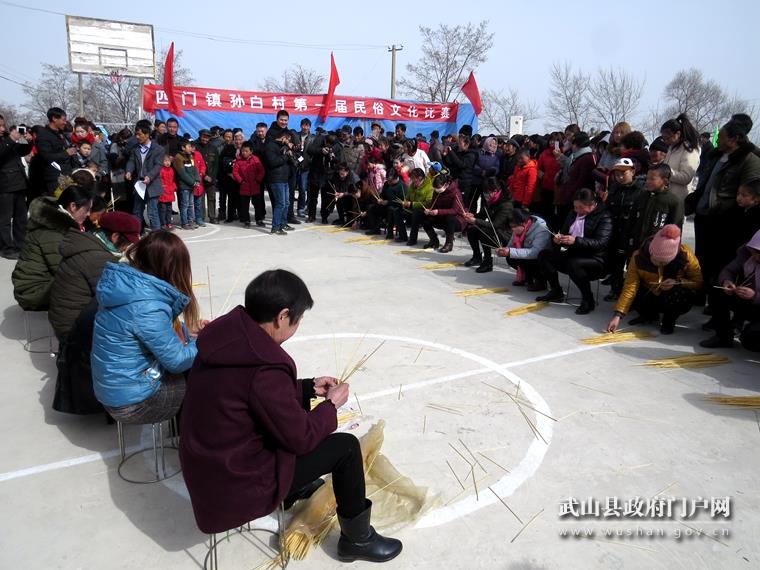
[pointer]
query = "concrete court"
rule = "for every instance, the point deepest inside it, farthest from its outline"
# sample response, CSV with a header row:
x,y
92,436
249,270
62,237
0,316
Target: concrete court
x,y
623,430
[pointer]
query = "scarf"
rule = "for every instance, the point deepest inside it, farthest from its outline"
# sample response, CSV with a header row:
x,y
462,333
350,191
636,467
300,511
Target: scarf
x,y
517,243
578,226
495,196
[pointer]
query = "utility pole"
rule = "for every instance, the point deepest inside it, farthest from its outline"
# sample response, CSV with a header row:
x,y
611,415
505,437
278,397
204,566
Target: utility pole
x,y
81,95
393,49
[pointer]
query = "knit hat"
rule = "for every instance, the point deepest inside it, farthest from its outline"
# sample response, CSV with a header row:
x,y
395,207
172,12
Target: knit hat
x,y
121,223
659,145
515,143
581,139
665,244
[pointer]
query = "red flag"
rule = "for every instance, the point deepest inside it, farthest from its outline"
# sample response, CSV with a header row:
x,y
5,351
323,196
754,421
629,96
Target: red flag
x,y
470,88
174,109
334,82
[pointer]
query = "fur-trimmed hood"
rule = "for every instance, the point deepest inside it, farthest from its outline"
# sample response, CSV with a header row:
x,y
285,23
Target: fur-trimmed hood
x,y
44,213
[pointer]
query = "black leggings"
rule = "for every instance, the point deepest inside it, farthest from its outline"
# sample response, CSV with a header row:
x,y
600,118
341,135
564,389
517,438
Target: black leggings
x,y
582,270
341,455
478,238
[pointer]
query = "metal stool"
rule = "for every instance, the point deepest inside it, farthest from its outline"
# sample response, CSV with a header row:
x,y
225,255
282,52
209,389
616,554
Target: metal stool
x,y
30,341
211,562
157,430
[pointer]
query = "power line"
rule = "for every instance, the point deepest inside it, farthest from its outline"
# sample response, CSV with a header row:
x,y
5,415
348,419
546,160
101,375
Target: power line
x,y
13,81
230,39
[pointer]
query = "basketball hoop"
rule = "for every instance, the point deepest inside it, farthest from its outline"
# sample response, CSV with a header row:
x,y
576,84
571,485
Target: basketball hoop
x,y
116,76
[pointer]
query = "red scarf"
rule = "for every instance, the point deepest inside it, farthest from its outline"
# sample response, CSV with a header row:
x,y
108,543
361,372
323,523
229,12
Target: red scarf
x,y
517,243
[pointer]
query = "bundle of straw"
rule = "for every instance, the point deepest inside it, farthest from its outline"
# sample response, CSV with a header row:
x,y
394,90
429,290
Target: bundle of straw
x,y
334,230
608,338
526,309
481,291
689,361
361,239
362,361
746,402
443,265
410,251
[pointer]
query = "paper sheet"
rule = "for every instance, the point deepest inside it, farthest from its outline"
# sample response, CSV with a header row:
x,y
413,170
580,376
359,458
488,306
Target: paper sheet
x,y
140,188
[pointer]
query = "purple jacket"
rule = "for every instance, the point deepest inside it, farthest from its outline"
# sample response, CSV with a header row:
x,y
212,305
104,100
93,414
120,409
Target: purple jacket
x,y
245,419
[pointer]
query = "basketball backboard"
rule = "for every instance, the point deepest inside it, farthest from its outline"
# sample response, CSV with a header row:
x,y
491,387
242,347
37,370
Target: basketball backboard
x,y
104,47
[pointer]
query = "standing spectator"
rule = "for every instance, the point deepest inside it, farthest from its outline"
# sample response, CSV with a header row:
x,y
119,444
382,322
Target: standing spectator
x,y
171,140
705,148
656,208
579,175
117,160
611,154
548,168
461,162
353,151
144,166
170,190
210,153
486,166
100,154
436,148
733,164
302,141
326,153
277,156
53,151
228,188
249,173
198,200
509,158
522,183
658,150
188,177
683,153
13,146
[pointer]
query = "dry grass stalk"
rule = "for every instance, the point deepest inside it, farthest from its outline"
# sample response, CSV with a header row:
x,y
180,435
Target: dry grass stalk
x,y
690,361
530,308
474,482
520,401
359,364
358,405
609,338
590,388
418,355
445,408
399,391
424,424
526,526
481,291
698,531
360,239
234,285
622,544
347,417
496,235
336,230
661,491
484,456
459,453
473,456
455,475
506,505
410,251
210,297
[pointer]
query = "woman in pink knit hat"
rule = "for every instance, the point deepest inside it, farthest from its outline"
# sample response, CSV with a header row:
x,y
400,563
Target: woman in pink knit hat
x,y
662,279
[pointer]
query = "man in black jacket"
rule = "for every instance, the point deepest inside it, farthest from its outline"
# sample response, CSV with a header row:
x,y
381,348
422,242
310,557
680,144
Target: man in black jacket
x,y
171,141
53,151
326,154
278,157
210,154
580,250
13,146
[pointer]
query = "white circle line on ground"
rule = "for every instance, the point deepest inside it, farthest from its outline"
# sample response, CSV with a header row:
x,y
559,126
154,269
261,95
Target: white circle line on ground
x,y
203,236
510,482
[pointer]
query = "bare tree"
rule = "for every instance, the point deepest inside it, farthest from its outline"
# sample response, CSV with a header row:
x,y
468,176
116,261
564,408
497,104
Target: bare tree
x,y
652,122
14,115
614,96
295,79
568,96
57,87
498,107
705,102
181,74
449,54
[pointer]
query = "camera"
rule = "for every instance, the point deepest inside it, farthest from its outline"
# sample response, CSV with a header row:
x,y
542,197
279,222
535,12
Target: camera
x,y
21,131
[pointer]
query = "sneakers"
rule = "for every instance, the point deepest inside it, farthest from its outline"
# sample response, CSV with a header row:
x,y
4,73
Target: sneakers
x,y
587,305
200,224
278,232
260,223
288,228
188,227
485,267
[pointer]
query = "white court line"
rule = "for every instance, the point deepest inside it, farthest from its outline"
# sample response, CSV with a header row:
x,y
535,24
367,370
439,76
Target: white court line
x,y
114,452
257,234
202,236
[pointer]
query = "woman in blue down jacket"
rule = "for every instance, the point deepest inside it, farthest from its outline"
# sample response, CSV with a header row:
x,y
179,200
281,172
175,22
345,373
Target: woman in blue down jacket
x,y
140,348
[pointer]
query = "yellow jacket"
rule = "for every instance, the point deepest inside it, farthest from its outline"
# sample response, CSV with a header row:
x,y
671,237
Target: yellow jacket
x,y
643,273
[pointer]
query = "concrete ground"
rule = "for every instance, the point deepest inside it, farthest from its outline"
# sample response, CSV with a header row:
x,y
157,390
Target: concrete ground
x,y
617,429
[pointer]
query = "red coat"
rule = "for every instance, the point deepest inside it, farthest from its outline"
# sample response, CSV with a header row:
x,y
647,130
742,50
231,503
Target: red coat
x,y
550,166
169,184
522,183
245,419
579,176
249,174
200,164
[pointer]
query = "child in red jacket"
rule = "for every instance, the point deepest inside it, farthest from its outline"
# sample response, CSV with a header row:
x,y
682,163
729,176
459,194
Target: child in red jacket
x,y
166,199
523,181
249,172
200,164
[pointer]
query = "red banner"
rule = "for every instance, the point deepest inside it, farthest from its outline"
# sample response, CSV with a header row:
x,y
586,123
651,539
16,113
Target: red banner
x,y
204,99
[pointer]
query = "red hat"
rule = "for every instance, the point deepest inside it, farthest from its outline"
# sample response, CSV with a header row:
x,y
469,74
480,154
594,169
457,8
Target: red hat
x,y
121,223
664,245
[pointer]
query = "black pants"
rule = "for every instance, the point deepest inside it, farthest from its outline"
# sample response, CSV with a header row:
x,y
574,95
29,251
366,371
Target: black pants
x,y
375,213
558,217
530,268
671,303
316,181
229,199
210,192
399,217
480,238
743,311
616,267
582,270
341,455
259,211
12,220
449,224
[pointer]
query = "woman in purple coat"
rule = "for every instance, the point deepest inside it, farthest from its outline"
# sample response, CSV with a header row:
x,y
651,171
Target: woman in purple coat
x,y
249,438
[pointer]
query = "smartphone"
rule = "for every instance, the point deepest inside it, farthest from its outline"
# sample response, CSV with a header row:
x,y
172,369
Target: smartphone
x,y
22,131
556,145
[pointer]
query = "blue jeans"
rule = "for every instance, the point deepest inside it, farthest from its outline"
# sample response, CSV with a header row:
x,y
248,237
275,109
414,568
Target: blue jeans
x,y
185,203
281,192
303,190
198,207
139,207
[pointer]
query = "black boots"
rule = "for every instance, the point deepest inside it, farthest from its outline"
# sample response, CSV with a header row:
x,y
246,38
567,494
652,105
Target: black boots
x,y
474,260
554,295
449,245
587,305
359,541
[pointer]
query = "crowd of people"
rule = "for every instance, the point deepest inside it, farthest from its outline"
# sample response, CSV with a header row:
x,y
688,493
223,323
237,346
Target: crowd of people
x,y
117,285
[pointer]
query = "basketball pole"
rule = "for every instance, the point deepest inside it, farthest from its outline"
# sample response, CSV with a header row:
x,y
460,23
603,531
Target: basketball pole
x,y
140,99
81,96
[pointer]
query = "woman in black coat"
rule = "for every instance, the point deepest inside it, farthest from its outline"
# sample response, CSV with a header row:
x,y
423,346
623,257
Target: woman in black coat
x,y
494,215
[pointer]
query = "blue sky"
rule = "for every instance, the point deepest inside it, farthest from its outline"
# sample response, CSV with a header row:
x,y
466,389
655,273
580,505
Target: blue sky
x,y
650,39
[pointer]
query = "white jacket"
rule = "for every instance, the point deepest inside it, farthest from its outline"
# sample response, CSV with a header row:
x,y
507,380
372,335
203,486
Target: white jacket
x,y
684,165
